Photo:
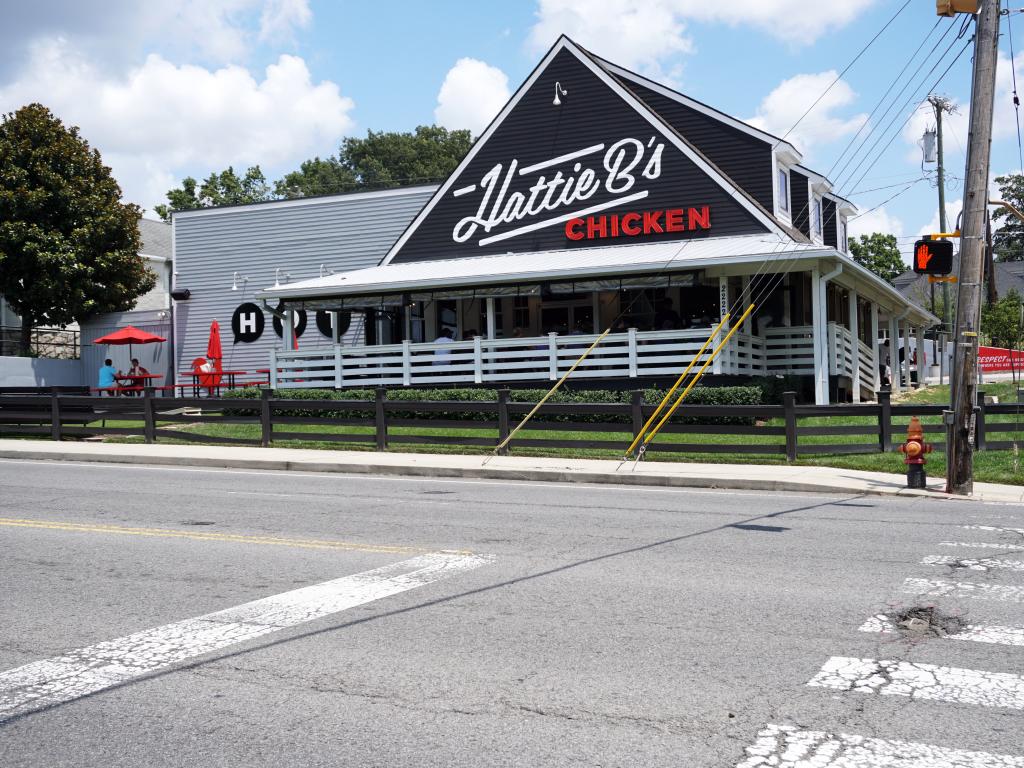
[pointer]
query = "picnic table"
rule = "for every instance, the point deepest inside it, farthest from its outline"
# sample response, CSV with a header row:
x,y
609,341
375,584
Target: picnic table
x,y
219,377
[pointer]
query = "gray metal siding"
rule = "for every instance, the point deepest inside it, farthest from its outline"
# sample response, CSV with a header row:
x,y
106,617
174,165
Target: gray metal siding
x,y
343,232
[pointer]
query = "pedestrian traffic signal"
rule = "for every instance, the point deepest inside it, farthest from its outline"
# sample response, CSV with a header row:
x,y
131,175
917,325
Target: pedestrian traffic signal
x,y
933,257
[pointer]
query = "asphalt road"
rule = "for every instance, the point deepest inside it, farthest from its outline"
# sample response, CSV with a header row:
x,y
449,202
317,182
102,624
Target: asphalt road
x,y
586,625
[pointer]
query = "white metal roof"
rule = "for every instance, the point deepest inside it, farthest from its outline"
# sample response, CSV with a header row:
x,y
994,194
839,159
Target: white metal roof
x,y
539,266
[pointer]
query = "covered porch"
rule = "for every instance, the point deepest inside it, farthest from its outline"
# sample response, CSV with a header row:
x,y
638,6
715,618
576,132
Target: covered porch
x,y
525,319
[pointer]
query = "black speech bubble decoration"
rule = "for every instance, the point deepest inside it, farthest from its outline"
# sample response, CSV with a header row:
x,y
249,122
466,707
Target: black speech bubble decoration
x,y
323,322
247,323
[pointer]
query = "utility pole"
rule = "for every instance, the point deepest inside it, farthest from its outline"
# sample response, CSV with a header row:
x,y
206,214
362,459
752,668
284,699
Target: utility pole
x,y
964,378
941,104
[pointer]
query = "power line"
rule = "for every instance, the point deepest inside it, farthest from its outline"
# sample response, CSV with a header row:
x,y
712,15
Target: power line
x,y
846,69
1016,99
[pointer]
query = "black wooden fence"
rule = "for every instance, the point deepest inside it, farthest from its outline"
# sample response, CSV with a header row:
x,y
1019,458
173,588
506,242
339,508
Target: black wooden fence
x,y
779,430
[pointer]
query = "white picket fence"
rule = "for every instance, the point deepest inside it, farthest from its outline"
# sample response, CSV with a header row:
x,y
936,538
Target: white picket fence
x,y
542,358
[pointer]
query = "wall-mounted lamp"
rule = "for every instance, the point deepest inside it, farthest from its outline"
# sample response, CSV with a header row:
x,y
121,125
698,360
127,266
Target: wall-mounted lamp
x,y
277,277
559,92
234,281
325,270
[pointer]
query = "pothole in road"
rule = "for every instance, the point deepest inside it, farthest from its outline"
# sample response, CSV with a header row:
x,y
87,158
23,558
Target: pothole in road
x,y
435,493
926,620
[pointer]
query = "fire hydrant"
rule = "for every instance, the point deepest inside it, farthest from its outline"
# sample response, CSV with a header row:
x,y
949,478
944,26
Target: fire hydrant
x,y
914,450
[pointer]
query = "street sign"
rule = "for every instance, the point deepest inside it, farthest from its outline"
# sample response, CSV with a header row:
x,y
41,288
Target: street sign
x,y
933,257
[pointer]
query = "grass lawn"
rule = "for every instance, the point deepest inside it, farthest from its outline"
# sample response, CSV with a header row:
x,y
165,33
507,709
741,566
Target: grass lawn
x,y
1000,466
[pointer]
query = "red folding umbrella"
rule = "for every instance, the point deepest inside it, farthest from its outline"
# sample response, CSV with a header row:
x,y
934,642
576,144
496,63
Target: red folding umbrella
x,y
214,355
129,335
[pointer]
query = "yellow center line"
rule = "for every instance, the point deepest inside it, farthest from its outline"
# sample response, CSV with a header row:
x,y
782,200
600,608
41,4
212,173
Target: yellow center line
x,y
15,522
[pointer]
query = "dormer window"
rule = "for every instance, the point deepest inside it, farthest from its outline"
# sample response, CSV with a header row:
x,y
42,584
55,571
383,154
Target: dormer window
x,y
843,245
817,216
783,190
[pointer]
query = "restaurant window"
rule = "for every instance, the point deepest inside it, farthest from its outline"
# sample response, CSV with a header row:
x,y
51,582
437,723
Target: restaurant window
x,y
521,313
448,317
498,317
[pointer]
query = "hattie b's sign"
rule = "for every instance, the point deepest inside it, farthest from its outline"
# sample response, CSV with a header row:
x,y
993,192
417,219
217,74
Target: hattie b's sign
x,y
623,169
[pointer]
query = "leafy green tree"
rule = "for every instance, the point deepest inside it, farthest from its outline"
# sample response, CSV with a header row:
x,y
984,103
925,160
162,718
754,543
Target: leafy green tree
x,y
879,253
391,159
317,177
69,248
1000,320
224,188
1008,230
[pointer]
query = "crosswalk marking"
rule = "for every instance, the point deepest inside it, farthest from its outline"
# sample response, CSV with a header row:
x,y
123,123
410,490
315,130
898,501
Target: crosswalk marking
x,y
922,681
956,589
974,632
96,667
782,746
974,564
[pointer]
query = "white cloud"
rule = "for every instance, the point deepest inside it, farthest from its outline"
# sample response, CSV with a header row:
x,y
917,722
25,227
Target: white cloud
x,y
280,18
781,109
952,211
878,220
161,120
650,35
471,95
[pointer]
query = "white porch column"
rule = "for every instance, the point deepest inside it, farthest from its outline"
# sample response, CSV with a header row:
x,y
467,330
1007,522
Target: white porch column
x,y
721,362
820,341
874,346
335,328
894,355
288,337
922,358
908,332
855,332
491,319
407,322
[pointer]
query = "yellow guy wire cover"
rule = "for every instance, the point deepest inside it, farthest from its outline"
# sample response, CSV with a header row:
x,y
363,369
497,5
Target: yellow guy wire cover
x,y
697,376
672,391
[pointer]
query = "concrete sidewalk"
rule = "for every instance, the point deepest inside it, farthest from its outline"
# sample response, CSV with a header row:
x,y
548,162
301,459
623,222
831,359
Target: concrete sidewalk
x,y
667,474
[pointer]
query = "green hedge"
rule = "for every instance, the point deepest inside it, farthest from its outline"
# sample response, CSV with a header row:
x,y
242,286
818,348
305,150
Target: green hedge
x,y
698,396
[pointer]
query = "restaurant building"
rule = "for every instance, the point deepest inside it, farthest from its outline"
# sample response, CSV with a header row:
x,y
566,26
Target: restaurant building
x,y
596,198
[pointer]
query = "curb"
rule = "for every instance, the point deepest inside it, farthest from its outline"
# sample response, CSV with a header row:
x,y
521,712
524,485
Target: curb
x,y
481,473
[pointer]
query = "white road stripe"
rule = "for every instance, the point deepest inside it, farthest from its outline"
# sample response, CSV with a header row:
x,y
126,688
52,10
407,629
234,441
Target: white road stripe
x,y
958,589
93,668
977,633
996,528
922,681
980,545
973,564
783,746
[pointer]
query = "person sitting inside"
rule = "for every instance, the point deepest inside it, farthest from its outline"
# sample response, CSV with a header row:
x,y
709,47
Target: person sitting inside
x,y
441,354
666,318
108,376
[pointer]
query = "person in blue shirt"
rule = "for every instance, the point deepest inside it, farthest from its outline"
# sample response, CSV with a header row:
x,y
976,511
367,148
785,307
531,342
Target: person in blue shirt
x,y
108,374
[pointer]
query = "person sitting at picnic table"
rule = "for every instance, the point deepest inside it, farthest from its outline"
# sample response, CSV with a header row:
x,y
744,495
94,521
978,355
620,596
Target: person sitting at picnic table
x,y
108,376
136,370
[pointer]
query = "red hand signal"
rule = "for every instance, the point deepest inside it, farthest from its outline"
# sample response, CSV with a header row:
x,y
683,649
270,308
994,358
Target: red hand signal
x,y
923,256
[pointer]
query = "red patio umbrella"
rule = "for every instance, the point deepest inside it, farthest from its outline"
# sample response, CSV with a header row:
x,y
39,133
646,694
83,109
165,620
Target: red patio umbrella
x,y
129,335
214,355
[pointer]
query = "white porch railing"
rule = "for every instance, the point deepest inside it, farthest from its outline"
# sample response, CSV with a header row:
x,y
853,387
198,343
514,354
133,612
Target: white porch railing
x,y
542,358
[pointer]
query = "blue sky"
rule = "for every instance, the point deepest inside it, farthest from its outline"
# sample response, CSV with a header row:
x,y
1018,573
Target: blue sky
x,y
168,92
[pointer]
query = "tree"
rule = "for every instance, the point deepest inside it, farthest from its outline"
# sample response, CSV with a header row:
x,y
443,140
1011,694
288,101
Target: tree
x,y
380,161
317,177
1000,320
879,253
224,188
1008,239
69,248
